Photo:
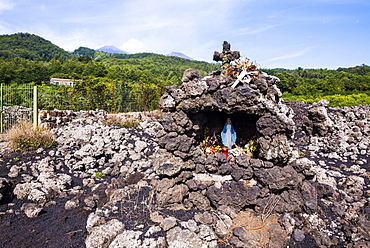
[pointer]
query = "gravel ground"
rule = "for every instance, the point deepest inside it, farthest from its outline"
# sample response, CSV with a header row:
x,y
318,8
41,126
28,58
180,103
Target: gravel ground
x,y
57,227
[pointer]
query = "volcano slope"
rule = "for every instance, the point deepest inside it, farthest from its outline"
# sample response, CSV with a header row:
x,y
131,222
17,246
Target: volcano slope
x,y
102,186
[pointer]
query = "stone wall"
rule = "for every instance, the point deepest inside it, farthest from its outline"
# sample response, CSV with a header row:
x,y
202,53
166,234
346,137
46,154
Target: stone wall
x,y
53,118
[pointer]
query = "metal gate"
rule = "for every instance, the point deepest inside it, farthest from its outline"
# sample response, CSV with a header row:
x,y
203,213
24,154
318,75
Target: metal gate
x,y
17,104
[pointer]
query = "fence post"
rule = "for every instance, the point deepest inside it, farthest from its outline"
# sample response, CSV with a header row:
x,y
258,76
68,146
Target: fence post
x,y
1,108
35,107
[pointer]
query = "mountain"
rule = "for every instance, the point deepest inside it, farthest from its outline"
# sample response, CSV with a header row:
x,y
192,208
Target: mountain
x,y
36,48
84,51
180,55
111,49
31,47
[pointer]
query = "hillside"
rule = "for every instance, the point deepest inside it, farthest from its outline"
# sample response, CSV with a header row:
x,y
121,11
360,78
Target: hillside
x,y
102,73
146,74
29,46
134,59
164,67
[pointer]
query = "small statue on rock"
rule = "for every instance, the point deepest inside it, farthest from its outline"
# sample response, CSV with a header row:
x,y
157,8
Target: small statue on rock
x,y
228,134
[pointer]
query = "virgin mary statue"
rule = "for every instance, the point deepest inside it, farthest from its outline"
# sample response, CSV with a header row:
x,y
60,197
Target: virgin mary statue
x,y
228,134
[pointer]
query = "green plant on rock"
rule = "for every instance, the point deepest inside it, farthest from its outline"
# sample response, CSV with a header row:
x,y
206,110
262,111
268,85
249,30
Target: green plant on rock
x,y
99,174
251,148
301,154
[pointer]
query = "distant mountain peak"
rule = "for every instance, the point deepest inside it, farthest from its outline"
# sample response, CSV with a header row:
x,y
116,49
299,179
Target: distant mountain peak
x,y
111,49
180,55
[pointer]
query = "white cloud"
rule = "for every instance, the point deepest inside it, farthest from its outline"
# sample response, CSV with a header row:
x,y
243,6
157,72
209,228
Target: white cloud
x,y
133,46
70,40
160,26
166,26
291,55
196,28
256,30
340,1
6,5
5,28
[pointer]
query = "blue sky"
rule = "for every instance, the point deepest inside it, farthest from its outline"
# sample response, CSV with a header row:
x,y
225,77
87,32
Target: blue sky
x,y
274,34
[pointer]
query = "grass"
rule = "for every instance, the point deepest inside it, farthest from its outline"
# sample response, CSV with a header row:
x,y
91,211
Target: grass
x,y
25,137
128,123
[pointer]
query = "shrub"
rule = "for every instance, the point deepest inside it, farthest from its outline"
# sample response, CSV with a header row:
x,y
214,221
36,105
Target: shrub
x,y
112,120
24,136
336,100
128,123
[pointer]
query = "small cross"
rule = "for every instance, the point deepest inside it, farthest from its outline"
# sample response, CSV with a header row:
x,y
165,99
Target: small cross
x,y
227,56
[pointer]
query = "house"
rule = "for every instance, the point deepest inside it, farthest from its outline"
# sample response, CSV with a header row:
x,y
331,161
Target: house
x,y
63,81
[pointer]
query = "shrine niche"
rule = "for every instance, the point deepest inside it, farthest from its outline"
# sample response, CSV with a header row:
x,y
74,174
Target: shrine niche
x,y
213,122
250,98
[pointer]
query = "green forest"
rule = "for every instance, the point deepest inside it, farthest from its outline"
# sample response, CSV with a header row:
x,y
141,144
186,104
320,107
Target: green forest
x,y
134,82
114,82
341,87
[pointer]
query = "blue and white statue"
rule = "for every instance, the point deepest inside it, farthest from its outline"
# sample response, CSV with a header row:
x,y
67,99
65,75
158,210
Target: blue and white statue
x,y
228,134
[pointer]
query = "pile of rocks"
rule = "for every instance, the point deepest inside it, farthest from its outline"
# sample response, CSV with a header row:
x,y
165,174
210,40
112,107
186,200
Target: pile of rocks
x,y
275,176
339,149
205,102
54,118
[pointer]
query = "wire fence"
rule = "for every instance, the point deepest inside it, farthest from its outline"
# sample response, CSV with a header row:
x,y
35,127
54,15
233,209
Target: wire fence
x,y
113,102
17,104
22,103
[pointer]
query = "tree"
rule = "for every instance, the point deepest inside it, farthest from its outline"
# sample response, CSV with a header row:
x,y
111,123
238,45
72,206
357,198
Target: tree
x,y
287,81
84,59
